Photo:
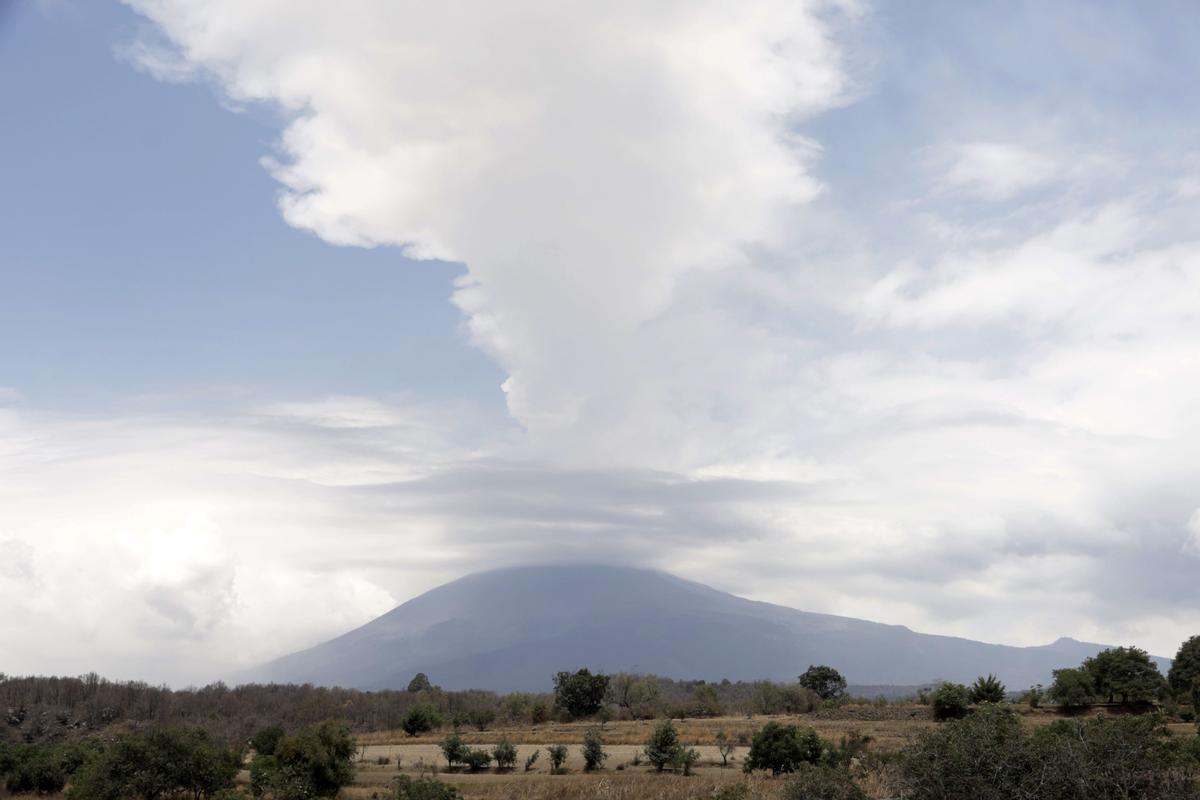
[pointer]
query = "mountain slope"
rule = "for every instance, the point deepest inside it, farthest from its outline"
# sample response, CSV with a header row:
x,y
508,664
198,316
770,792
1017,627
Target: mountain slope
x,y
512,629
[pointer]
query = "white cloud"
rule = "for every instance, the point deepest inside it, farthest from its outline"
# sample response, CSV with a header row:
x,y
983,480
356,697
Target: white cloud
x,y
1192,545
714,367
994,170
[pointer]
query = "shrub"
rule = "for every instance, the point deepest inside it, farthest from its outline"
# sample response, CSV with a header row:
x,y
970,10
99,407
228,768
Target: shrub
x,y
40,768
453,749
684,760
732,791
505,754
826,682
421,718
161,763
989,756
812,782
580,694
477,759
950,701
408,788
557,753
531,759
593,751
782,748
663,747
267,740
316,761
988,690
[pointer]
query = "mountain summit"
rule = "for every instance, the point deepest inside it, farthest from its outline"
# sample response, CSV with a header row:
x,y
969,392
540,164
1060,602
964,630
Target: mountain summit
x,y
512,629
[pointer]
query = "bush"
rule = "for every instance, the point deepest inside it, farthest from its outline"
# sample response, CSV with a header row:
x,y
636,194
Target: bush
x,y
316,761
156,764
453,749
557,754
782,748
990,756
40,768
531,759
424,789
663,747
505,754
421,718
477,759
593,751
988,690
267,740
812,782
684,760
950,701
732,791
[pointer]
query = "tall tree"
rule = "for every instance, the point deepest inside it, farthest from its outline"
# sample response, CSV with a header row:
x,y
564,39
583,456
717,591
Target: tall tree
x,y
1126,673
581,693
1185,669
827,682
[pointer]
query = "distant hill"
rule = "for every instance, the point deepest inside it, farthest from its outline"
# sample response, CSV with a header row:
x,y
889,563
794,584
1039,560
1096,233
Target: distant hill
x,y
512,629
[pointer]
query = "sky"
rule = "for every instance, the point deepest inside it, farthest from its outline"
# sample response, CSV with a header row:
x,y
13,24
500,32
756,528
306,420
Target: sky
x,y
880,309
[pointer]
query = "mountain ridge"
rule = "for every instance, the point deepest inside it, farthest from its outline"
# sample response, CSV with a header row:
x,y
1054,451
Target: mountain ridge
x,y
511,629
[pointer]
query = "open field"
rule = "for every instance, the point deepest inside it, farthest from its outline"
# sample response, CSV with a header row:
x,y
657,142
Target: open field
x,y
889,728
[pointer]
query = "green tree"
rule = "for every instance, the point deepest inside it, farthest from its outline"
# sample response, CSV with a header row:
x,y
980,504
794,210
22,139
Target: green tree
x,y
781,748
477,759
1185,669
827,682
267,740
707,702
316,761
593,751
1127,673
421,718
724,747
580,694
420,683
663,747
40,768
557,753
453,749
988,690
950,701
505,754
481,718
1072,688
167,762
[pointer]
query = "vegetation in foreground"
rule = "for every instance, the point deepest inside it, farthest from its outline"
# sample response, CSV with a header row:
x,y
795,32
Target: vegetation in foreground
x,y
128,742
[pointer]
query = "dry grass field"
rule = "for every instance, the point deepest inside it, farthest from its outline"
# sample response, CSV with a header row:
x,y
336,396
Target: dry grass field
x,y
889,728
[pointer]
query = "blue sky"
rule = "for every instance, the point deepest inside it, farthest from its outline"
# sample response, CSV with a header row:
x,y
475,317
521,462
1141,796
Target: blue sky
x,y
305,313
146,263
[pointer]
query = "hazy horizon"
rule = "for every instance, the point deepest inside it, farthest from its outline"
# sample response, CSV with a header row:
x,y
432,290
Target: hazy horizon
x,y
885,312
